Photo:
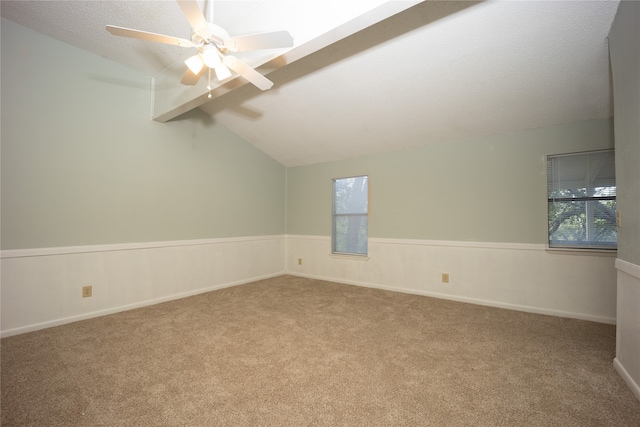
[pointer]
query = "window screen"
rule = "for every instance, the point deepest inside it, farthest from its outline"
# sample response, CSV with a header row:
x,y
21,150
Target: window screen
x,y
350,215
582,200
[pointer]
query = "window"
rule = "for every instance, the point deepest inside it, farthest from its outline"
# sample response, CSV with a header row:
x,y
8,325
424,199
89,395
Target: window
x,y
582,200
350,215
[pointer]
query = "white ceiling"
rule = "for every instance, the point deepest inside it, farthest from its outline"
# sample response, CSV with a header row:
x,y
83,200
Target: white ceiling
x,y
439,71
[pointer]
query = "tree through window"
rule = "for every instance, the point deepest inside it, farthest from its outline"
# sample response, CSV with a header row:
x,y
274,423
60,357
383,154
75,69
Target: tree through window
x,y
582,200
350,215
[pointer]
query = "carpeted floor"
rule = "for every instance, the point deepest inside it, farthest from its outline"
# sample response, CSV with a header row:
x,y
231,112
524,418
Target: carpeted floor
x,y
290,351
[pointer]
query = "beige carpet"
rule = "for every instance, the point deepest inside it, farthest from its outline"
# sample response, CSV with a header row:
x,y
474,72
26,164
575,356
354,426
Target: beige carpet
x,y
294,352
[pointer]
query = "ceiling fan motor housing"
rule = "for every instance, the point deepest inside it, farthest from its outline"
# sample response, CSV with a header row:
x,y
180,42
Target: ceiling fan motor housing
x,y
217,36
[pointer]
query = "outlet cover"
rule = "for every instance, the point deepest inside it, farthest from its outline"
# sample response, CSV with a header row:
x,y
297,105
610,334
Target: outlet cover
x,y
87,291
445,277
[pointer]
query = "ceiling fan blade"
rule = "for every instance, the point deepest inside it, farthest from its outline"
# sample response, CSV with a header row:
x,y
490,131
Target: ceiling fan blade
x,y
190,78
144,35
196,19
270,40
248,73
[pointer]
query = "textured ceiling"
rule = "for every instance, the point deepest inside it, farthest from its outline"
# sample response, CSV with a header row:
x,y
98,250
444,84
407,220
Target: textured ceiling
x,y
438,71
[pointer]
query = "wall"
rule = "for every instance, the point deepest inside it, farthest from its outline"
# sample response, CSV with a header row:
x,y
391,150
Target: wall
x,y
475,209
449,191
82,163
42,287
94,192
624,47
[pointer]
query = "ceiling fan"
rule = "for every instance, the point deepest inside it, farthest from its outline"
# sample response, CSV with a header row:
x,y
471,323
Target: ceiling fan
x,y
213,44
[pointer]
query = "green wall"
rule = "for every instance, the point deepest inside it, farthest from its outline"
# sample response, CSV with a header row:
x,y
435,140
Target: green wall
x,y
624,48
83,164
490,189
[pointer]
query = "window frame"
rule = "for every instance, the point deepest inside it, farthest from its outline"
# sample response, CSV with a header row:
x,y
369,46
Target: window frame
x,y
578,247
334,252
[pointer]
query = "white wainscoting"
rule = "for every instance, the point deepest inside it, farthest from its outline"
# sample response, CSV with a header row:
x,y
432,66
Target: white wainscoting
x,y
627,360
43,287
524,277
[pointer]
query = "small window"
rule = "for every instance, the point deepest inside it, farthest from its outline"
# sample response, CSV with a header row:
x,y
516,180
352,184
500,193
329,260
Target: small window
x,y
350,215
582,200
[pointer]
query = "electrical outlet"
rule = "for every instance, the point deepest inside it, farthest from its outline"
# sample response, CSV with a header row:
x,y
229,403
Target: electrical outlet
x,y
87,291
445,277
299,261
618,219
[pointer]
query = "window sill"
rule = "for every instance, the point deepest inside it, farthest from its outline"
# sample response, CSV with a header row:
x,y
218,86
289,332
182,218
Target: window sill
x,y
577,251
350,256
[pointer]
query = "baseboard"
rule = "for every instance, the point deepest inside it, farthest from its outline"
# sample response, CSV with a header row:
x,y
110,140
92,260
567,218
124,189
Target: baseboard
x,y
635,388
497,304
113,310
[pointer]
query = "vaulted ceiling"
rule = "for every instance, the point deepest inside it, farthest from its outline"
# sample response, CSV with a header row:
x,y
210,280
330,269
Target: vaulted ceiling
x,y
365,76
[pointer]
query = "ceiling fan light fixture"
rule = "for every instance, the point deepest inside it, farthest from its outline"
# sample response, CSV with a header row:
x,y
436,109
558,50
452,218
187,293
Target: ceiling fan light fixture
x,y
195,64
210,56
222,72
